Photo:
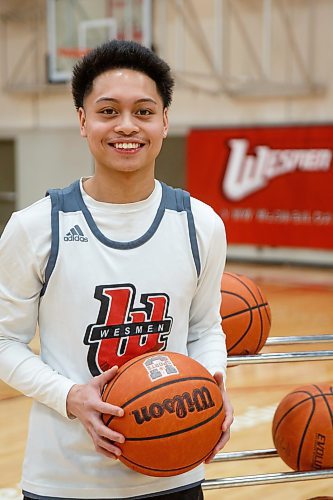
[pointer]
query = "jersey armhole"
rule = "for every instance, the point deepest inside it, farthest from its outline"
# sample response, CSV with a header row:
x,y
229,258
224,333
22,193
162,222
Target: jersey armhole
x,y
180,200
192,232
55,206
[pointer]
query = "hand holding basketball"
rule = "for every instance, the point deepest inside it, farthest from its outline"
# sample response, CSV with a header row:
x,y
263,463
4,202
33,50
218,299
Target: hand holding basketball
x,y
174,413
84,402
229,418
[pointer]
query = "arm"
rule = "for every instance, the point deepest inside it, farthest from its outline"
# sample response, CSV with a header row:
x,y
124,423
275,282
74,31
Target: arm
x,y
229,418
22,267
20,285
206,342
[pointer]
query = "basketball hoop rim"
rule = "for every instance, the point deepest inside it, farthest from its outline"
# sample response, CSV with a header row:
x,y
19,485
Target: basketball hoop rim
x,y
72,52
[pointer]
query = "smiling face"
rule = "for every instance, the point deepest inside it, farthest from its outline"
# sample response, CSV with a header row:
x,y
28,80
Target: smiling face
x,y
124,122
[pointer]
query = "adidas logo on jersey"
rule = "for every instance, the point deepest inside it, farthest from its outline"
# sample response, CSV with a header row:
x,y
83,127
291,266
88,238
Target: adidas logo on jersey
x,y
75,234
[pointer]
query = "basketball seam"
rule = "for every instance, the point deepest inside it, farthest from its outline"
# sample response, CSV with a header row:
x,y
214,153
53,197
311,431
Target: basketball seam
x,y
186,467
130,363
300,449
259,311
231,315
293,407
326,402
266,304
311,398
250,308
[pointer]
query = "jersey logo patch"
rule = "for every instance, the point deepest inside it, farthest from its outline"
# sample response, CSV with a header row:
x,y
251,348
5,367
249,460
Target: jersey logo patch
x,y
123,332
75,234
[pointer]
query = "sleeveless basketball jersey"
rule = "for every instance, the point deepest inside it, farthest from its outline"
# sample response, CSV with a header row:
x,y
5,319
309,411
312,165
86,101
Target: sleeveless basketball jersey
x,y
103,303
134,293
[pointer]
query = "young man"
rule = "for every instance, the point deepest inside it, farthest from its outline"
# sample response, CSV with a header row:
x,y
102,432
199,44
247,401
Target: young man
x,y
117,248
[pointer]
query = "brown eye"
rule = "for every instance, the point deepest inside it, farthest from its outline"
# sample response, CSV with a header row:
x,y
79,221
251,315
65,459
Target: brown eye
x,y
108,111
144,112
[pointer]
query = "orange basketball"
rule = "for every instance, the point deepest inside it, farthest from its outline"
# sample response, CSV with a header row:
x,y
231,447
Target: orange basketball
x,y
303,428
246,315
173,413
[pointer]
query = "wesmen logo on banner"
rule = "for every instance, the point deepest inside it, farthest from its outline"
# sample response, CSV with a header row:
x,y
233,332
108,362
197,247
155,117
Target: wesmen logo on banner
x,y
271,185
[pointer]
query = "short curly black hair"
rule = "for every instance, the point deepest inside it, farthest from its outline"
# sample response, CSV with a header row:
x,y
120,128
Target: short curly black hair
x,y
120,54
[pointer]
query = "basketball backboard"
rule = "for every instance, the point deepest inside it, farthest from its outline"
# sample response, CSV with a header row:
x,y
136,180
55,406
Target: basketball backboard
x,y
75,26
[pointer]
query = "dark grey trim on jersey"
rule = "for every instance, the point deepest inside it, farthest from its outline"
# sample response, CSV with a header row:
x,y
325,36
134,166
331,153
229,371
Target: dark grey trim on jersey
x,y
54,239
119,245
70,200
192,232
33,496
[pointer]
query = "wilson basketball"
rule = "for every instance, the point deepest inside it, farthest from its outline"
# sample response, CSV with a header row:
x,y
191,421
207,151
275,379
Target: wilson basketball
x,y
246,315
303,428
173,413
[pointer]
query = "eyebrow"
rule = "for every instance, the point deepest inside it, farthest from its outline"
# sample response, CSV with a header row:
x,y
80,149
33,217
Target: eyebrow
x,y
112,99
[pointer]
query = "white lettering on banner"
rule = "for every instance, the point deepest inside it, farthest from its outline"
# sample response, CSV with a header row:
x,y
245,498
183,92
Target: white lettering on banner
x,y
278,216
246,174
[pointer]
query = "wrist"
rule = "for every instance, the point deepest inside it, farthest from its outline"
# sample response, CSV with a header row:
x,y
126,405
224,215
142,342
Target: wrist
x,y
70,401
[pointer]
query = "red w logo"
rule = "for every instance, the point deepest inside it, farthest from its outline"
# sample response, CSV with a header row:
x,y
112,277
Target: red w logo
x,y
122,332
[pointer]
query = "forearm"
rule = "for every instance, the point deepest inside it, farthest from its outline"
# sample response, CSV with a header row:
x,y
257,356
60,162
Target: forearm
x,y
206,340
210,350
27,373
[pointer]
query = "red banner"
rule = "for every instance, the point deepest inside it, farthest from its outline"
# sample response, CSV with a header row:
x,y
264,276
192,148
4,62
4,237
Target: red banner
x,y
271,185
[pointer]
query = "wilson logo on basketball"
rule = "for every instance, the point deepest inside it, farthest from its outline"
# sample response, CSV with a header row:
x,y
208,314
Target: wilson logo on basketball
x,y
122,331
180,405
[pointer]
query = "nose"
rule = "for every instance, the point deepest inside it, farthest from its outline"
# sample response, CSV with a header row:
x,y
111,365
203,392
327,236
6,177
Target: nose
x,y
126,124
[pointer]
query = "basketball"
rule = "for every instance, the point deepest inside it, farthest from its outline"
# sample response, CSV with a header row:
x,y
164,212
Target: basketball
x,y
246,315
173,413
303,428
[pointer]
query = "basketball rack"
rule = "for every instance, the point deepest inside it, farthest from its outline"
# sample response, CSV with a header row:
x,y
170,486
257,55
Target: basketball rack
x,y
283,357
278,477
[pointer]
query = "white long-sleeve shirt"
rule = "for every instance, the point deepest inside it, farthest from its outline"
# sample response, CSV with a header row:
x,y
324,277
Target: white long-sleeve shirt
x,y
105,265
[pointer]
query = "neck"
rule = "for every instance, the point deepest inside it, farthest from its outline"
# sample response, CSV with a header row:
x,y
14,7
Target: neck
x,y
119,188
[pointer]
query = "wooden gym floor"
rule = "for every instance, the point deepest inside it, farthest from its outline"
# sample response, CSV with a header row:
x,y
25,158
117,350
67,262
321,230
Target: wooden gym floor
x,y
301,303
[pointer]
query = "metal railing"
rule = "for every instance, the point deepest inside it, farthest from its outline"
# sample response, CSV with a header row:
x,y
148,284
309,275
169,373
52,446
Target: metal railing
x,y
283,357
278,477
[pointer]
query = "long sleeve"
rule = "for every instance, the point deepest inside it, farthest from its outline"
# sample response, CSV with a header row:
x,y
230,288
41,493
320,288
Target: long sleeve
x,y
20,286
206,342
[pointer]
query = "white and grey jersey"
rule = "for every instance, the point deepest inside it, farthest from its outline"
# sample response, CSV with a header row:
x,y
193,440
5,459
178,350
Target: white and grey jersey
x,y
100,301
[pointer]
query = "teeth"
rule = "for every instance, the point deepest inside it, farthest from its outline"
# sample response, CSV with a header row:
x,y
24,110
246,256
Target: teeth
x,y
127,145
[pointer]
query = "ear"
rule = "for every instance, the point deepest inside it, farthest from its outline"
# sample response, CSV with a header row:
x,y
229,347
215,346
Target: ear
x,y
165,122
82,118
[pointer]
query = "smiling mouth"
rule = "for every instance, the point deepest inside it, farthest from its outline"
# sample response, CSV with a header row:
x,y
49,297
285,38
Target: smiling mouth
x,y
127,146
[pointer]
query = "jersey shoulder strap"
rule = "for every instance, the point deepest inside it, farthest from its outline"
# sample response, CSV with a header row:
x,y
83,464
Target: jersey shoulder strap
x,y
62,200
180,200
69,200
